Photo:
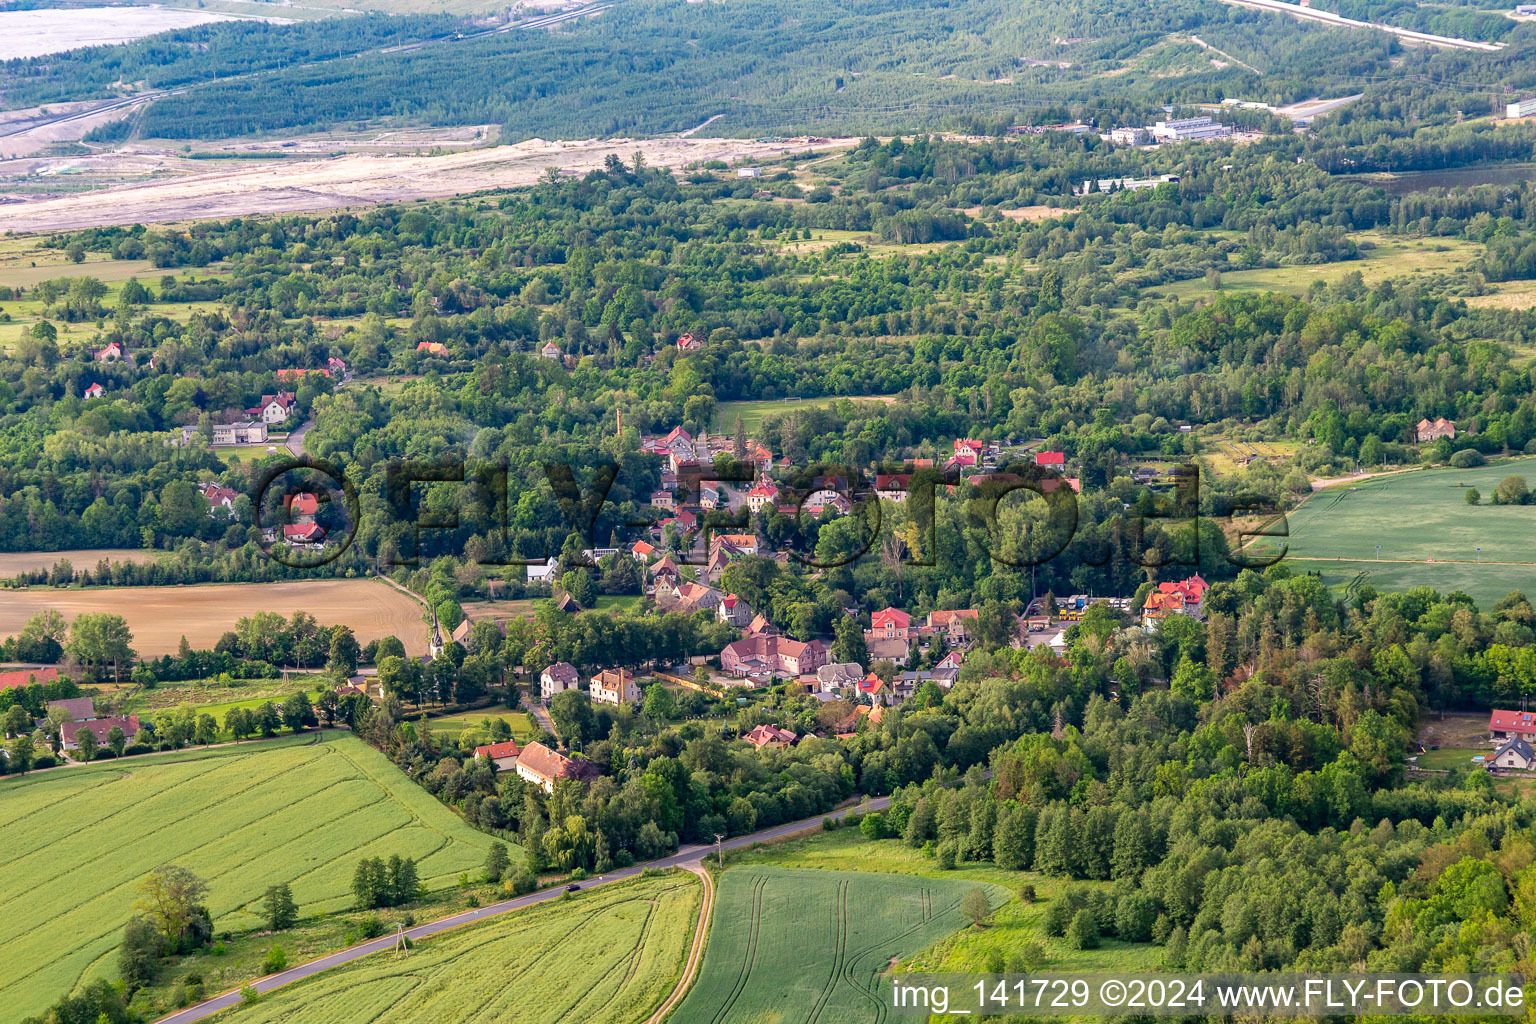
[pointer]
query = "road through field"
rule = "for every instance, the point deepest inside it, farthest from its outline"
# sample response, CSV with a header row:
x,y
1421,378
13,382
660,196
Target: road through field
x,y
695,951
688,857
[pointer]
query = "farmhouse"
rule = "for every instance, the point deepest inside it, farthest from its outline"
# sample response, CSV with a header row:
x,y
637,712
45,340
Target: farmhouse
x,y
94,391
770,737
1427,430
502,755
550,350
1512,725
26,677
614,686
1515,753
111,354
432,348
558,678
777,655
542,766
69,732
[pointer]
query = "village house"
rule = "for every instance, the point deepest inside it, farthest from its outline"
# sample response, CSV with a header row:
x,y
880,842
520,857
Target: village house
x,y
641,551
502,755
543,572
760,625
733,610
956,627
663,499
839,675
614,686
889,624
558,678
273,408
1056,459
770,737
218,497
664,571
695,597
719,561
336,366
877,690
968,452
432,348
763,494
688,343
111,354
79,709
101,728
1427,430
892,486
95,391
1515,753
679,443
304,534
27,677
1511,725
735,543
550,350
543,767
769,654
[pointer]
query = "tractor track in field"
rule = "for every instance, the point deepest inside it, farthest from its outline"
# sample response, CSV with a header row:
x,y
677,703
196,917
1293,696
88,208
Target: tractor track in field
x,y
695,952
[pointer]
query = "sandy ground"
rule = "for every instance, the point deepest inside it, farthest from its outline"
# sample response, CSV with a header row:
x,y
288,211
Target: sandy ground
x,y
13,562
54,30
362,179
160,616
1028,214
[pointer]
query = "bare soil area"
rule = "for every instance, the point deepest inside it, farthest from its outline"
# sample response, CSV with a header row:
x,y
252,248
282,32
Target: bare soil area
x,y
160,616
364,179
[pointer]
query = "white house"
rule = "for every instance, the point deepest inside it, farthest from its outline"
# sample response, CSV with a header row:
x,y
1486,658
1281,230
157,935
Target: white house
x,y
558,678
614,686
1515,754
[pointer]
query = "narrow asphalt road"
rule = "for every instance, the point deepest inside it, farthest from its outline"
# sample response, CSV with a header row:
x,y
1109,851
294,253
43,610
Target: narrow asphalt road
x,y
685,855
295,440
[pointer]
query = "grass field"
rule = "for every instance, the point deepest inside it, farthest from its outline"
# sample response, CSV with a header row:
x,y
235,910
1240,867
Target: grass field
x,y
754,413
160,616
1012,924
606,957
523,728
1427,533
1393,257
74,844
789,945
14,562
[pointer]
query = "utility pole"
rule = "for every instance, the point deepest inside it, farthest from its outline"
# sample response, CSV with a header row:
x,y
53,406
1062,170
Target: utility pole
x,y
719,848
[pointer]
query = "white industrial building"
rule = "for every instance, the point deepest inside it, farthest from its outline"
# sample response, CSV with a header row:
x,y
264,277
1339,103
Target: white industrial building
x,y
1521,108
1188,129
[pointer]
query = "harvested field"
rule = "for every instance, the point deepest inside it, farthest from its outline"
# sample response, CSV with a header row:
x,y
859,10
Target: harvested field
x,y
359,179
160,616
76,842
14,562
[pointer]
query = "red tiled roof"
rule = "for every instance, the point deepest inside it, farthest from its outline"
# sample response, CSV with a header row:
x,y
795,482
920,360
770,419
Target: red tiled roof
x,y
496,751
26,677
895,616
1520,721
1051,459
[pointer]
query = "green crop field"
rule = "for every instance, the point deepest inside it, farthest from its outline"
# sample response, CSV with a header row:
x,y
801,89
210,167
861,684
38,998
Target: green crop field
x,y
607,957
75,842
1427,533
792,945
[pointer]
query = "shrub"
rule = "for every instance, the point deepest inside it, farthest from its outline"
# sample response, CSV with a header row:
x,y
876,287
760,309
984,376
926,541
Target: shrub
x,y
277,960
370,927
1027,893
249,995
1467,458
1083,932
944,858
